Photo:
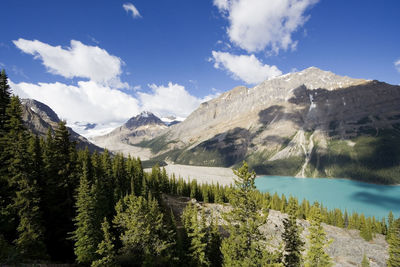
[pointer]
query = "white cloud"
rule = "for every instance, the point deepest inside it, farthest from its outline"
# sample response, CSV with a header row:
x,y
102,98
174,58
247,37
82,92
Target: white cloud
x,y
246,68
255,25
97,100
88,101
172,99
129,7
222,4
397,65
78,60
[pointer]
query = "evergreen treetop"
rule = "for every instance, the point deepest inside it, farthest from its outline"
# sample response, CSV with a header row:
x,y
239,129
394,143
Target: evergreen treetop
x,y
394,245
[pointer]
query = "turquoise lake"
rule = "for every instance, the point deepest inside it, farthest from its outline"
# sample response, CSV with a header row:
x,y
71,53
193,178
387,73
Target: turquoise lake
x,y
370,199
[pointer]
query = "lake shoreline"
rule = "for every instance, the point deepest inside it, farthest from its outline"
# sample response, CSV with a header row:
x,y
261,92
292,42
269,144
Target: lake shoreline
x,y
333,178
345,194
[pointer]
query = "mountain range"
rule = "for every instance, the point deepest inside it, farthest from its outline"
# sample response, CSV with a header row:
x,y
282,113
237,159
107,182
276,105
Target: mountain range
x,y
311,123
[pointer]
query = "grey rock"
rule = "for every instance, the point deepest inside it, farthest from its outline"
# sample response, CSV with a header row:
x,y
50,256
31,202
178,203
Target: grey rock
x,y
347,247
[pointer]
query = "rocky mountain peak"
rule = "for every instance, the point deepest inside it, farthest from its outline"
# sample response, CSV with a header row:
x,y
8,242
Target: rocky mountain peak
x,y
39,118
44,111
144,118
312,78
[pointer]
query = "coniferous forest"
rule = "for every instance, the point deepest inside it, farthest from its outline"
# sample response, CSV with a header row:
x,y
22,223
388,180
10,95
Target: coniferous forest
x,y
63,205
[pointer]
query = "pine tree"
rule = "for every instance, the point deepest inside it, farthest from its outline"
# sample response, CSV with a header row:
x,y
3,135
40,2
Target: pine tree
x,y
138,176
62,179
145,238
291,237
85,235
106,250
214,244
390,225
204,193
218,195
196,232
198,247
23,180
394,245
245,245
122,183
365,229
365,261
345,219
106,186
316,255
5,99
6,216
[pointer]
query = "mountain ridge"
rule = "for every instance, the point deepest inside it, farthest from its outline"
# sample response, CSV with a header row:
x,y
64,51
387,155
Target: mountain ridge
x,y
310,123
39,118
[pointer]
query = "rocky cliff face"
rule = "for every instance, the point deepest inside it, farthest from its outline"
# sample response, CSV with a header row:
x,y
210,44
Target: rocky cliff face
x,y
39,118
309,123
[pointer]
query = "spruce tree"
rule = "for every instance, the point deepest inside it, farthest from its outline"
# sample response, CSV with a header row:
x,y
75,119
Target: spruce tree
x,y
85,235
394,245
245,245
61,183
365,229
214,244
106,186
196,232
5,99
7,216
365,261
7,222
390,225
291,237
106,249
316,255
145,237
198,247
23,180
122,183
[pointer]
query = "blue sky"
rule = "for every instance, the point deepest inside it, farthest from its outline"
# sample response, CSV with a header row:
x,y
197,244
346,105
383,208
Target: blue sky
x,y
168,56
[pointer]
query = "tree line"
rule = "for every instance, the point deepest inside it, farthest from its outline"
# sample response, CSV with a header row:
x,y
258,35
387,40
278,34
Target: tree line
x,y
63,205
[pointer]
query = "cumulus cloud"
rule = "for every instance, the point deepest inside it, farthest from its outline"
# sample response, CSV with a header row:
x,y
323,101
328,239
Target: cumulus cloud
x,y
397,65
129,7
246,68
88,101
255,25
99,99
172,99
78,60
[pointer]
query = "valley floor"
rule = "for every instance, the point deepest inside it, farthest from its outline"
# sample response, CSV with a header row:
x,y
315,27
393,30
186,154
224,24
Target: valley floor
x,y
125,149
223,176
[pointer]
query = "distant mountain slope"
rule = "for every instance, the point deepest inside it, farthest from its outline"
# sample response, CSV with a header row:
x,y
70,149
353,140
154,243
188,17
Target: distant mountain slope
x,y
39,117
144,126
309,123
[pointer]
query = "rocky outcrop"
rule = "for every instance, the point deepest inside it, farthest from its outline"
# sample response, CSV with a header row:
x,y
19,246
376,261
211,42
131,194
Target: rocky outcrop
x,y
39,118
347,247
